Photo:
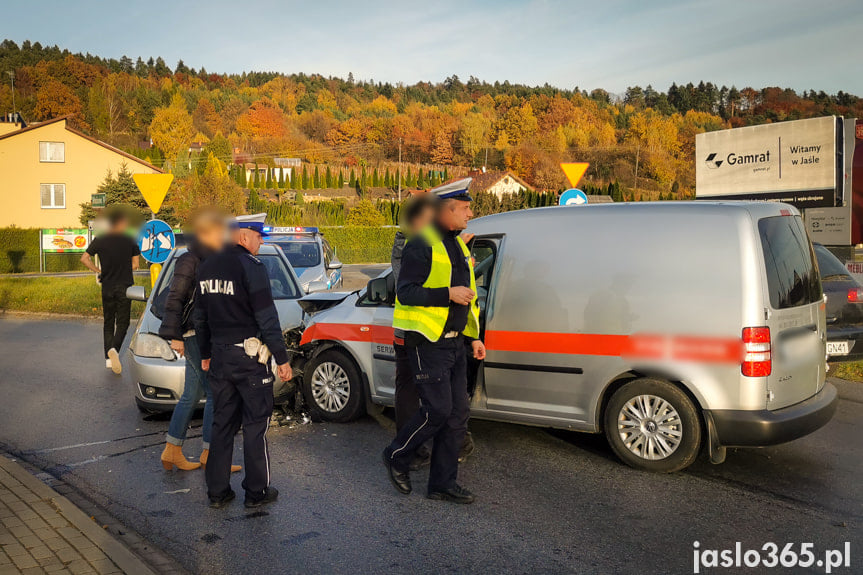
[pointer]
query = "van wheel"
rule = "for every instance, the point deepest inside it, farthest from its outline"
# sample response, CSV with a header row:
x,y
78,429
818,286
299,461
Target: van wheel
x,y
333,388
652,425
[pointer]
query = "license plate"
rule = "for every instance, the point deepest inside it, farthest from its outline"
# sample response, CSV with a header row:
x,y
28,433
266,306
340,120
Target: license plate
x,y
837,348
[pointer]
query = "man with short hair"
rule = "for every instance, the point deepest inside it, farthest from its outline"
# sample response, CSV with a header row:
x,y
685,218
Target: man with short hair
x,y
118,256
235,318
437,309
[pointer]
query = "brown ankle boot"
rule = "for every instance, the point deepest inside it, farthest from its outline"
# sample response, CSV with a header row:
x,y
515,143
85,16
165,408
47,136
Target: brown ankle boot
x,y
206,453
173,456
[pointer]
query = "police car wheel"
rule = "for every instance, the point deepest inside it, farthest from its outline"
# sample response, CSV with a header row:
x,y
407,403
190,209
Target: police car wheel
x,y
333,388
653,425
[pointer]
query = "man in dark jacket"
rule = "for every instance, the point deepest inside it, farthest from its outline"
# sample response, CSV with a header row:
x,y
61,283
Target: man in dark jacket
x,y
235,316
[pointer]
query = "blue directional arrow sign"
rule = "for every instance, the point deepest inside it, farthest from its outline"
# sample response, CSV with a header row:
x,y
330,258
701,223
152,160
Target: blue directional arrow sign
x,y
573,197
156,240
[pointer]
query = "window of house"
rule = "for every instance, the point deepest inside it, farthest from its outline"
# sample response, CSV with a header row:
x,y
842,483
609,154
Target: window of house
x,y
53,195
52,152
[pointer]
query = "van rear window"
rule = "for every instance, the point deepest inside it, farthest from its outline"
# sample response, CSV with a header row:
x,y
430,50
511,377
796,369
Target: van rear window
x,y
792,276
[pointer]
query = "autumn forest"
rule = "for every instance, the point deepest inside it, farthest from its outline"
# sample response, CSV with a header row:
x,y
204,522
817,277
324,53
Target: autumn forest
x,y
643,138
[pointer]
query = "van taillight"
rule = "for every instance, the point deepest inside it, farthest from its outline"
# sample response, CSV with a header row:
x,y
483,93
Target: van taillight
x,y
855,295
756,352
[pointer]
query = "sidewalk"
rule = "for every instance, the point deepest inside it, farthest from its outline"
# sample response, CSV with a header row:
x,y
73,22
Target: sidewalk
x,y
43,532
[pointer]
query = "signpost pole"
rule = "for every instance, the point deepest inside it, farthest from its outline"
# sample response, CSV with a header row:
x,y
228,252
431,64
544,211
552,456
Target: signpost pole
x,y
41,253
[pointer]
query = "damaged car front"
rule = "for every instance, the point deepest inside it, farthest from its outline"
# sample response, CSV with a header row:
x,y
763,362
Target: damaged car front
x,y
343,335
158,374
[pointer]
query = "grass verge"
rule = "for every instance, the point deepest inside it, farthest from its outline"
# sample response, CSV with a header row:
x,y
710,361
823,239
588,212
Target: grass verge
x,y
850,370
74,295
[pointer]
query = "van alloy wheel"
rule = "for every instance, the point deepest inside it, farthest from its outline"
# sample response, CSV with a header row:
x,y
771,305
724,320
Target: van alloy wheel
x,y
331,388
650,427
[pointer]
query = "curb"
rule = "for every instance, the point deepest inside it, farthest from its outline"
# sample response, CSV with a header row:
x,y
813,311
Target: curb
x,y
117,552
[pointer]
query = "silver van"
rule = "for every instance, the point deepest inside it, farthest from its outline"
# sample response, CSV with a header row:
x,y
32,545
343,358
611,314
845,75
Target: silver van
x,y
666,326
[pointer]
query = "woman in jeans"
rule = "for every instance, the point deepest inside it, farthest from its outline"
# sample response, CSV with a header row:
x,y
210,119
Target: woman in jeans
x,y
209,237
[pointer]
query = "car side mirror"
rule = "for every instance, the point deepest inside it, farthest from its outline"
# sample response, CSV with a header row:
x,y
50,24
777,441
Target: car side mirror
x,y
136,293
377,290
334,265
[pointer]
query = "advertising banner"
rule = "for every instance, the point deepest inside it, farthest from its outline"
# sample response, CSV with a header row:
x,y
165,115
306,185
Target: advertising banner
x,y
64,240
793,162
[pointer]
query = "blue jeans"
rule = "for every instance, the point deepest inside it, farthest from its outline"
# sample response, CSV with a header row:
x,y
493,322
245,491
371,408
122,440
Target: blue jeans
x,y
195,387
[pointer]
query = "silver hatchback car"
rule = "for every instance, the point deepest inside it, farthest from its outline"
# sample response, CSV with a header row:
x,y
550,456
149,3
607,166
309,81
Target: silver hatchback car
x,y
157,373
668,327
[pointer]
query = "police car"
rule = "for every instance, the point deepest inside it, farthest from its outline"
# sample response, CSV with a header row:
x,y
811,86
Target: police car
x,y
311,256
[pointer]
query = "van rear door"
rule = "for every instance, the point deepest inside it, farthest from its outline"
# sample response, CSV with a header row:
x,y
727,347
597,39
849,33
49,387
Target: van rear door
x,y
795,312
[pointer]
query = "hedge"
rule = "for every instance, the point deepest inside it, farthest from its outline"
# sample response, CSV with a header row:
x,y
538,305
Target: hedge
x,y
360,244
19,252
19,248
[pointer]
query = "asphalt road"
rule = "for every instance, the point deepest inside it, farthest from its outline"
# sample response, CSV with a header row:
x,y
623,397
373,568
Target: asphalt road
x,y
548,501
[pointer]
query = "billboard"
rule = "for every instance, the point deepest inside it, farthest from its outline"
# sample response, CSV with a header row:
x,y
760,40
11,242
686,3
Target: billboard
x,y
793,162
64,240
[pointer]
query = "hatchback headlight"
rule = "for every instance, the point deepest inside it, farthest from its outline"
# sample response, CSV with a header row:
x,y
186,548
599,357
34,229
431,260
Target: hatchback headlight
x,y
151,345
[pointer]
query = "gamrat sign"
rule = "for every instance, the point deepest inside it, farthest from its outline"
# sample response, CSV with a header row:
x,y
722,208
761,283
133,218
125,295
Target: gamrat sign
x,y
792,162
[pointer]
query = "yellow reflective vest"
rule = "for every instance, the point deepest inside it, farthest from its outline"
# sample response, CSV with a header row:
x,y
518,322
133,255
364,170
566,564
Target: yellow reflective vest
x,y
427,320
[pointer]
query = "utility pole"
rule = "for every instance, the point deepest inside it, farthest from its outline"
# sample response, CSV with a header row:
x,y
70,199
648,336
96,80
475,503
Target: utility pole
x,y
637,150
400,170
485,165
12,77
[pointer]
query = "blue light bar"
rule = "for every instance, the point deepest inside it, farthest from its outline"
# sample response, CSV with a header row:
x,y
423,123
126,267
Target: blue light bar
x,y
292,230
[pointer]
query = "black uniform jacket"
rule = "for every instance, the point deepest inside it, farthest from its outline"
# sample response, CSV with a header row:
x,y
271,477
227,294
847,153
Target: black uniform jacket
x,y
235,302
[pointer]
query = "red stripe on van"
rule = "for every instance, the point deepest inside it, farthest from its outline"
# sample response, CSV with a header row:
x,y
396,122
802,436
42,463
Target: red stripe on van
x,y
683,348
542,342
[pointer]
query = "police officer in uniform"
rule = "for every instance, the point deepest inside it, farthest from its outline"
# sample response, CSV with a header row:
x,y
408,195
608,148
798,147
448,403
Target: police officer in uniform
x,y
238,329
437,309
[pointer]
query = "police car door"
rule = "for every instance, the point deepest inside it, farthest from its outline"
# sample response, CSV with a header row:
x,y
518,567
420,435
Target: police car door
x,y
383,374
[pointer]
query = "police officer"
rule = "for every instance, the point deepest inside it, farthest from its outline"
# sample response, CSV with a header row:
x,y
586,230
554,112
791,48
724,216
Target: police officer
x,y
437,309
236,318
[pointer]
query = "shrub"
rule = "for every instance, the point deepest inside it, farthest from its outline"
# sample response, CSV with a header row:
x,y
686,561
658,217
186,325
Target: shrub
x,y
365,214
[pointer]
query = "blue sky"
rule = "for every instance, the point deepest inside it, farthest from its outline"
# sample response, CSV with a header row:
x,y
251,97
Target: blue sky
x,y
608,44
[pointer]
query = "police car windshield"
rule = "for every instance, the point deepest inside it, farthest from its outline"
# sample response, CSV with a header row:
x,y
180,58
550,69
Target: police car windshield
x,y
302,253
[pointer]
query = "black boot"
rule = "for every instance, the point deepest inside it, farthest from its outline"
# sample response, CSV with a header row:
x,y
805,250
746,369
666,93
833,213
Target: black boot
x,y
400,479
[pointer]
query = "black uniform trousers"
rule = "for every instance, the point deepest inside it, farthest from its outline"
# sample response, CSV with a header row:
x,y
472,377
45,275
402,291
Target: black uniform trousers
x,y
440,374
116,308
242,392
407,399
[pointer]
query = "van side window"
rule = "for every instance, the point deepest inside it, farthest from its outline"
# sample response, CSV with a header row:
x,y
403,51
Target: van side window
x,y
792,277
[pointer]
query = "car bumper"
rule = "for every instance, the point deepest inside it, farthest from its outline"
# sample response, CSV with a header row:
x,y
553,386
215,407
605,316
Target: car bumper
x,y
853,335
166,377
169,378
738,428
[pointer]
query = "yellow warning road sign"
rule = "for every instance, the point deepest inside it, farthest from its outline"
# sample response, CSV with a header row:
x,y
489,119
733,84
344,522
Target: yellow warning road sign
x,y
153,187
574,171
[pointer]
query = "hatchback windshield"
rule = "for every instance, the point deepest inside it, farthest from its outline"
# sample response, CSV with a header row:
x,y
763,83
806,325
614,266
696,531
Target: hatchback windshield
x,y
281,282
302,254
791,273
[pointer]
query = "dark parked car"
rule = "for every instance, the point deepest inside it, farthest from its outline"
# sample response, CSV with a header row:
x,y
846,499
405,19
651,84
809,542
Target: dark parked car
x,y
844,308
